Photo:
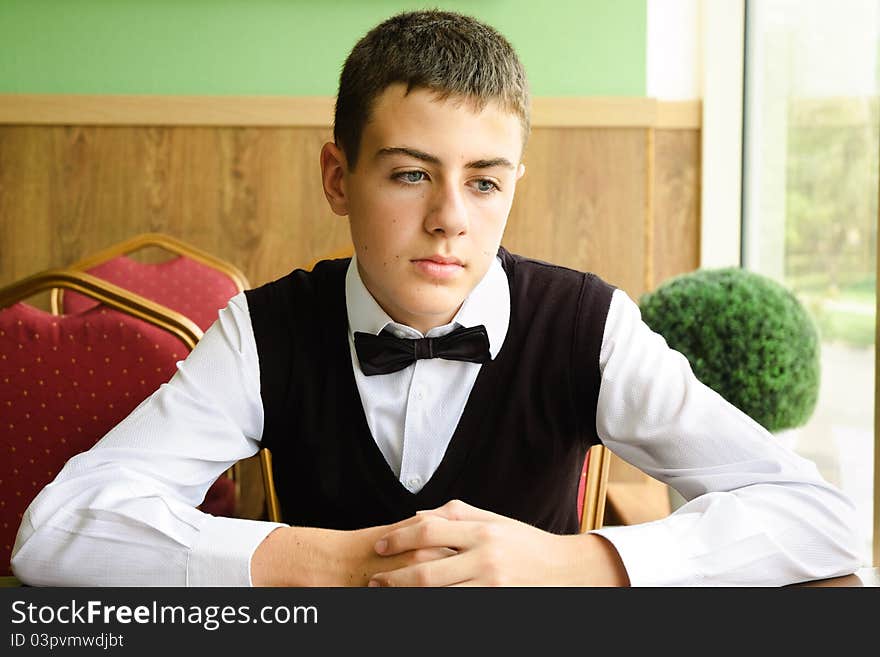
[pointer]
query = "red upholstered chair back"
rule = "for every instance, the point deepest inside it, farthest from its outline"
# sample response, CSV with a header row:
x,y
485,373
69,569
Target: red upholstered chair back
x,y
66,381
582,486
194,283
187,286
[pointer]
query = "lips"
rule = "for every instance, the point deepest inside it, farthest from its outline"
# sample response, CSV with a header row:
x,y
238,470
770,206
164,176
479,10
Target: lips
x,y
440,260
438,267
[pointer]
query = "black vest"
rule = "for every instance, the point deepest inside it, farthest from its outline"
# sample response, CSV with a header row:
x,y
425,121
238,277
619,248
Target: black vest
x,y
521,441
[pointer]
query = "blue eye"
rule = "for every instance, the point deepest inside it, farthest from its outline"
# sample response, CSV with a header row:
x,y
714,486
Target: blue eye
x,y
485,186
411,177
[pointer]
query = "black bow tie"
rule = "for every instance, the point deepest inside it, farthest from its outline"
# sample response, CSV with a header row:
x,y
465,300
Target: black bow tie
x,y
384,353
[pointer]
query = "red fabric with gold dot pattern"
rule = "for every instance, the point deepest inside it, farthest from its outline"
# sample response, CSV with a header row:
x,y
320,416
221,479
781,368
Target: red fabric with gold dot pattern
x,y
64,383
191,288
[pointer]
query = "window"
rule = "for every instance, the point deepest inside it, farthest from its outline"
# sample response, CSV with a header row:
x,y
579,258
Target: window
x,y
810,189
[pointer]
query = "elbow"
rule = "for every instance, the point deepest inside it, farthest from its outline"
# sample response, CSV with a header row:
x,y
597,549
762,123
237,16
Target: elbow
x,y
23,563
845,547
38,549
852,544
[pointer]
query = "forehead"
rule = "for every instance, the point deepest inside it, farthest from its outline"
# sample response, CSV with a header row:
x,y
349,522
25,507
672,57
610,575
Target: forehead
x,y
451,126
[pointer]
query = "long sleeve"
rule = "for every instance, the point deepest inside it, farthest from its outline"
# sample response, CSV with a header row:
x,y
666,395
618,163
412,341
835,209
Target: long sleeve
x,y
123,513
756,512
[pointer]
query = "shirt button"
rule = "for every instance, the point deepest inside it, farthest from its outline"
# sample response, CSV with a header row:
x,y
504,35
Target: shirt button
x,y
414,481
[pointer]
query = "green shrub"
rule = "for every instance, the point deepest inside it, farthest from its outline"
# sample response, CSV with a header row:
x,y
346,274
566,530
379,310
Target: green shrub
x,y
746,337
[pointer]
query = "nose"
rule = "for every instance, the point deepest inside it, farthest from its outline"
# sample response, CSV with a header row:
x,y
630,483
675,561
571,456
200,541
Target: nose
x,y
447,213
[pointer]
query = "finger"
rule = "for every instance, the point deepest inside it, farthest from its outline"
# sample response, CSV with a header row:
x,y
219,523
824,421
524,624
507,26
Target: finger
x,y
442,572
411,520
430,533
425,555
458,510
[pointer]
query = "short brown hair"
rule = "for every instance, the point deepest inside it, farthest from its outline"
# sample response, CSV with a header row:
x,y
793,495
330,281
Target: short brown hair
x,y
446,52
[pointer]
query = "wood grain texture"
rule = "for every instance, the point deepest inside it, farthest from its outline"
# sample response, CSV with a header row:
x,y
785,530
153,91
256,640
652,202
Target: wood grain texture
x,y
161,110
253,196
313,111
676,244
580,203
24,203
250,196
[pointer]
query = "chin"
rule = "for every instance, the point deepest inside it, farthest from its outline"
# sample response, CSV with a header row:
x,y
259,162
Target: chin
x,y
442,309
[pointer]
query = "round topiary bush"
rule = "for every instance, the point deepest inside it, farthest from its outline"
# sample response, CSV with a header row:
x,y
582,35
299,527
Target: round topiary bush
x,y
746,337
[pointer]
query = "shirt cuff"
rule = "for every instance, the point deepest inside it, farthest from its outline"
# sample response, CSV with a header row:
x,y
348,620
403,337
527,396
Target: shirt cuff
x,y
651,554
222,553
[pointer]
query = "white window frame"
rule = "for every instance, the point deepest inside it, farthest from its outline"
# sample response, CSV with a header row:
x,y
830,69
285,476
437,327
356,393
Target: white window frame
x,y
723,42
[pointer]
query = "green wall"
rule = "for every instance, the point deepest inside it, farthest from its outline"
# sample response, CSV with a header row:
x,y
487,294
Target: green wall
x,y
292,47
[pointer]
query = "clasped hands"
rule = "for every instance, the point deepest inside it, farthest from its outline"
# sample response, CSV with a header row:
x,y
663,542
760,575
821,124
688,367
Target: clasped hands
x,y
453,545
461,545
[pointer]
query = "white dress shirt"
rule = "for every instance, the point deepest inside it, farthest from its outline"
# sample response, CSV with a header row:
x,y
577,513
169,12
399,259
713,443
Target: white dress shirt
x,y
123,513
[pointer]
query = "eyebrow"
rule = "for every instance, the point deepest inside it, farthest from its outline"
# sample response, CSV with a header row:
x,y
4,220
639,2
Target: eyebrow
x,y
433,159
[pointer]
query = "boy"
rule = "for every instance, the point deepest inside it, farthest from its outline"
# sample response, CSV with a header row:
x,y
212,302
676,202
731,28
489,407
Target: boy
x,y
429,402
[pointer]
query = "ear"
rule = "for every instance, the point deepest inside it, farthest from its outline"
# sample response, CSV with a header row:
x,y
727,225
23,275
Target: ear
x,y
333,169
520,171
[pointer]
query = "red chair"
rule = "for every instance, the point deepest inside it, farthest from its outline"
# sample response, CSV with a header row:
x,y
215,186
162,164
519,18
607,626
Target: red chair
x,y
193,282
65,381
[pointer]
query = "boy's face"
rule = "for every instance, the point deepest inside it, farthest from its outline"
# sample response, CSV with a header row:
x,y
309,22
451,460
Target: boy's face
x,y
428,200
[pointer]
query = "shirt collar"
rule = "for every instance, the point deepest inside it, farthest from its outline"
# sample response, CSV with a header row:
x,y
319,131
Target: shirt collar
x,y
487,304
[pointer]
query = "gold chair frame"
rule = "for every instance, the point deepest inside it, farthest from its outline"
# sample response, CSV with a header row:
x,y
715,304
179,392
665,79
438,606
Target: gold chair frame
x,y
273,507
594,489
160,240
108,294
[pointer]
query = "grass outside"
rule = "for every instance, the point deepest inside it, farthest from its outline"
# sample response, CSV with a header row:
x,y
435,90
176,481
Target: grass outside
x,y
856,330
846,315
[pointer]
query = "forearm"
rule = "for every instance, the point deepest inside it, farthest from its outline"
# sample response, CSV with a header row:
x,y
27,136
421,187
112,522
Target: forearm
x,y
311,556
303,556
591,560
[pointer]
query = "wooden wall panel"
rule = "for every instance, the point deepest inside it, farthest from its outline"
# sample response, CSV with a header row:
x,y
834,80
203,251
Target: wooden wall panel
x,y
581,202
249,195
253,196
676,243
24,202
